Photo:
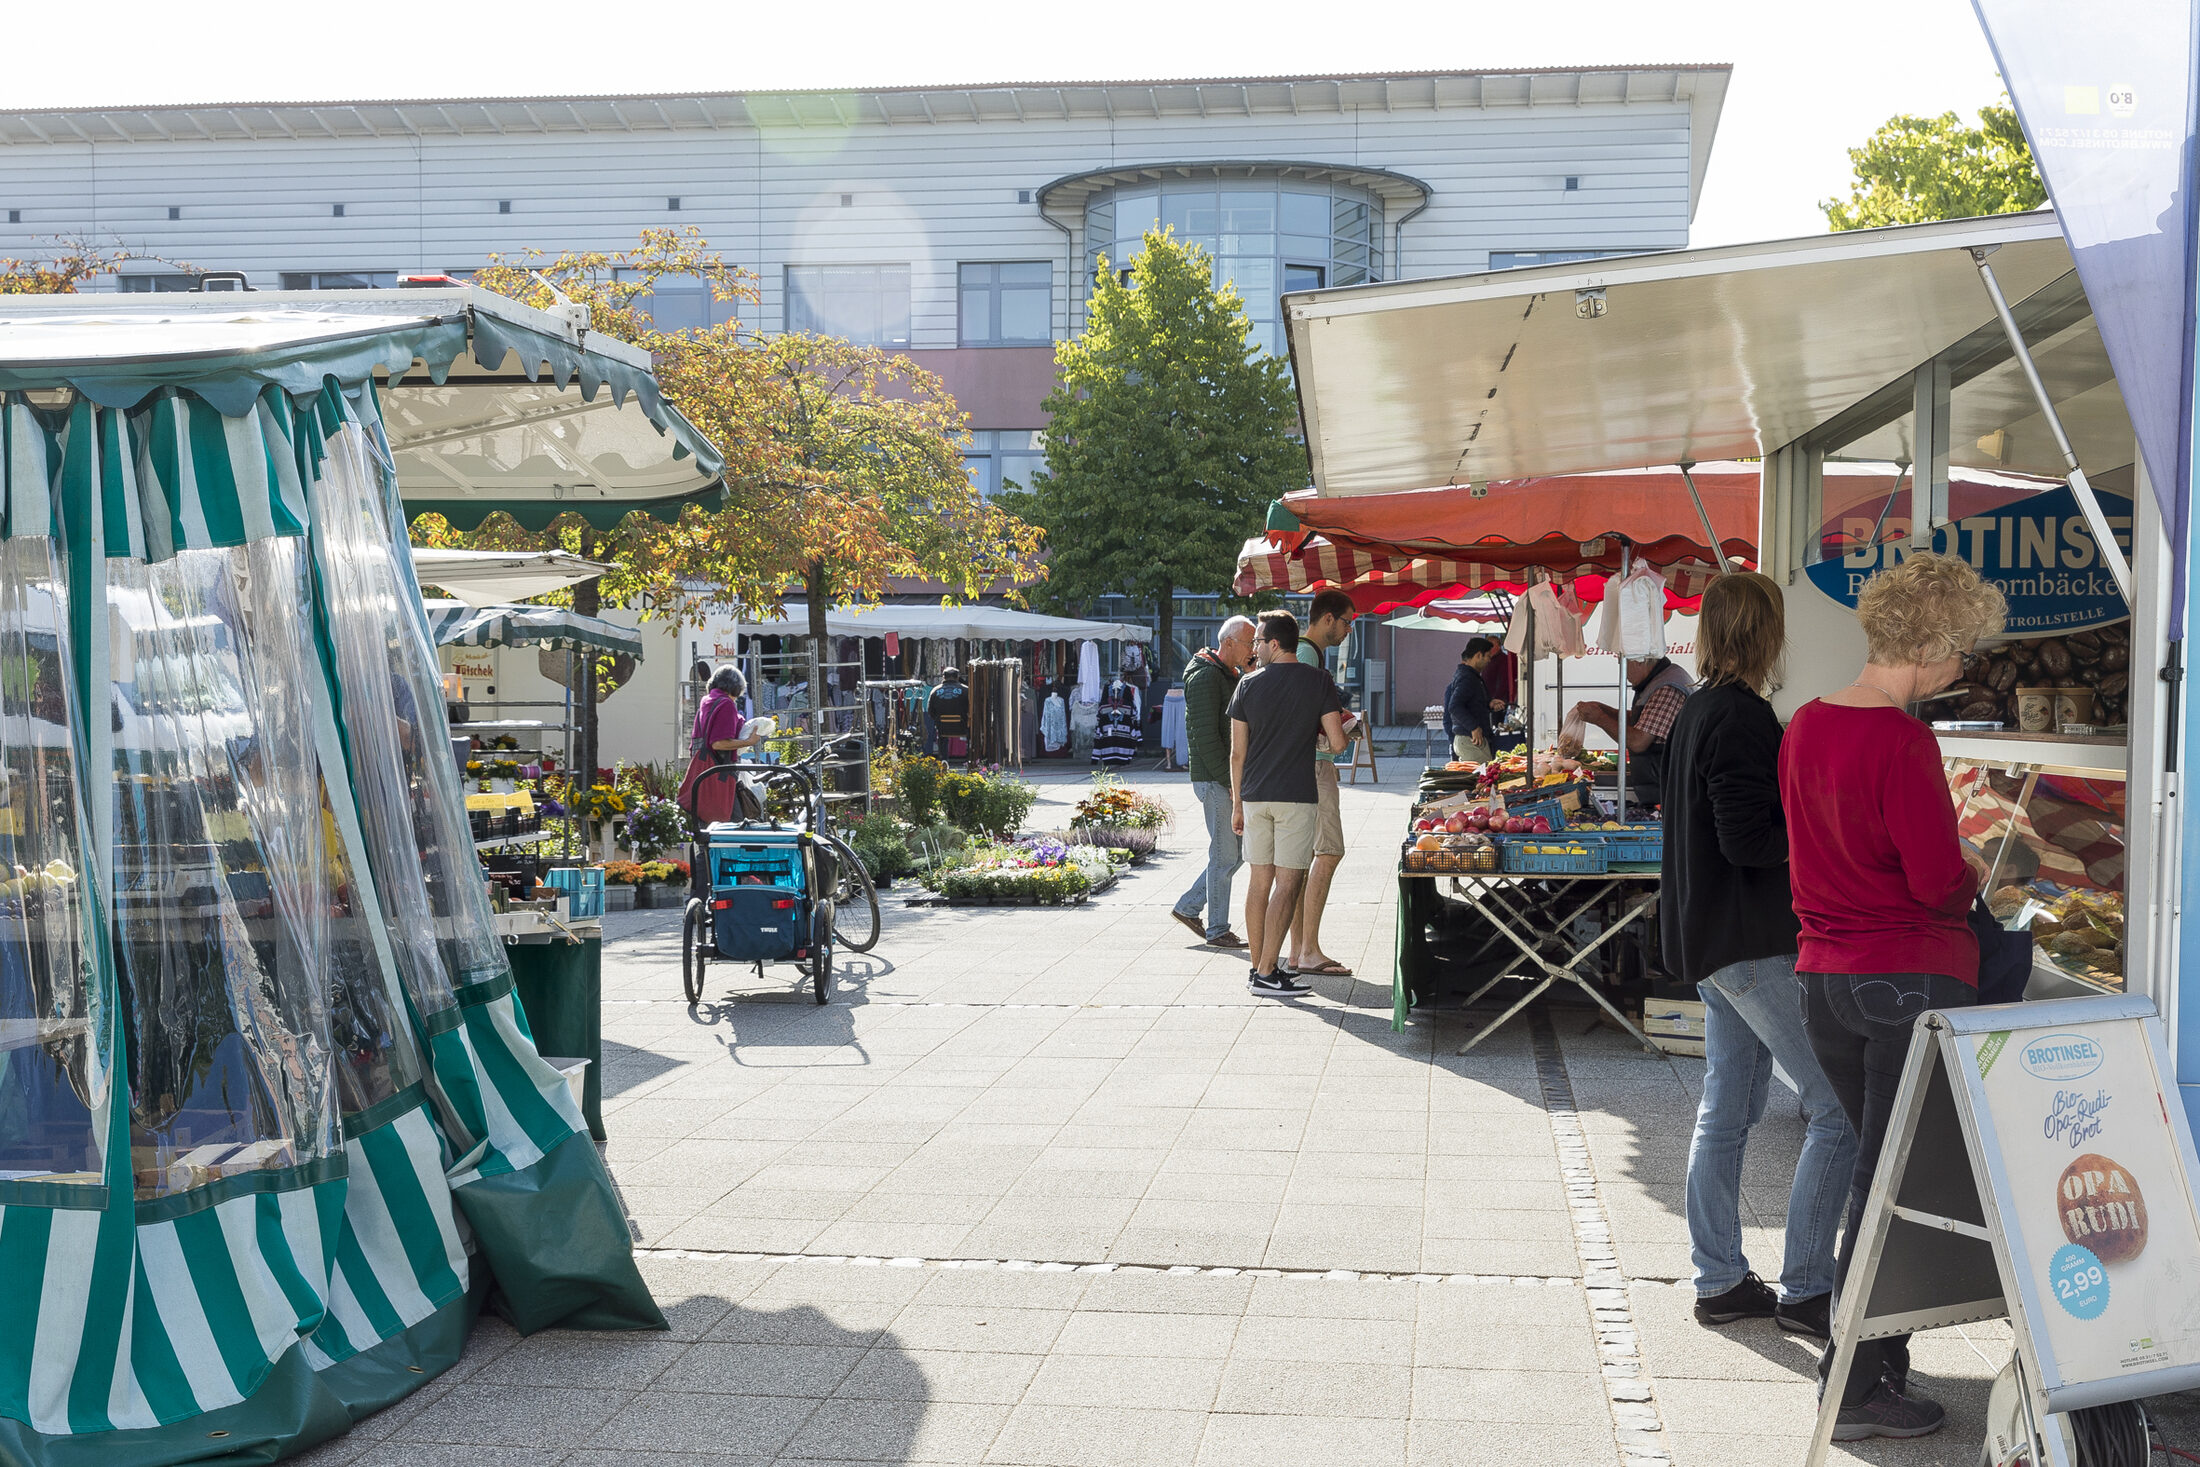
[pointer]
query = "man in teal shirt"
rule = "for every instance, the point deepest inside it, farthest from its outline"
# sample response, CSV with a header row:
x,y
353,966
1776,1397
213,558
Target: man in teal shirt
x,y
1328,623
1209,679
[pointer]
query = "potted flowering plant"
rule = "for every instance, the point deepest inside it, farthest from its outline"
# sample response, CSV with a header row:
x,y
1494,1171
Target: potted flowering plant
x,y
597,805
663,884
620,878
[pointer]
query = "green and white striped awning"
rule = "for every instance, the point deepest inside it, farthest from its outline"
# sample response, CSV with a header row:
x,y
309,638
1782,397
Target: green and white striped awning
x,y
485,404
455,624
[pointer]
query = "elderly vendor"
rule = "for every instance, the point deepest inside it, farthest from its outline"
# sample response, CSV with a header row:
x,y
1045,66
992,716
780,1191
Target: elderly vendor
x,y
1660,686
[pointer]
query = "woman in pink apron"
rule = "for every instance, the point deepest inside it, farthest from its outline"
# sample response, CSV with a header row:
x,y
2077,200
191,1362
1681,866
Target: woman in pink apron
x,y
717,738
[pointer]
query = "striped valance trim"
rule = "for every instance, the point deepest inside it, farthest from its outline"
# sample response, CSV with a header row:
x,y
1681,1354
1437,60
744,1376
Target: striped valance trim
x,y
171,473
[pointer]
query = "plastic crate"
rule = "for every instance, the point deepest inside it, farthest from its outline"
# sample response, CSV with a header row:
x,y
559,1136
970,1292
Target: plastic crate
x,y
1633,845
582,887
1541,855
1550,810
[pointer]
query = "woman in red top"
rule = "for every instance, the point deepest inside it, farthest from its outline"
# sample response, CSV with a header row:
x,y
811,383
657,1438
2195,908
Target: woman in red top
x,y
1882,885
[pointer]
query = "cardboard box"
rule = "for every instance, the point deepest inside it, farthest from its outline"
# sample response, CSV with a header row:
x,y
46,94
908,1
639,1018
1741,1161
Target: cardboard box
x,y
1674,1025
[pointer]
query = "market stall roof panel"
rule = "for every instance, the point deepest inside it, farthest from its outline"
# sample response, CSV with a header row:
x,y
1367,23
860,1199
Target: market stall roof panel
x,y
970,623
497,577
489,404
457,624
1696,355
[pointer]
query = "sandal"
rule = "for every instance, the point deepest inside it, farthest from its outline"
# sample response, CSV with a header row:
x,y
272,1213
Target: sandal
x,y
1327,968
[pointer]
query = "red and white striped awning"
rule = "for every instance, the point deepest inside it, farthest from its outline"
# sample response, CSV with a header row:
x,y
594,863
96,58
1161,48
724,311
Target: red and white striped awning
x,y
1377,578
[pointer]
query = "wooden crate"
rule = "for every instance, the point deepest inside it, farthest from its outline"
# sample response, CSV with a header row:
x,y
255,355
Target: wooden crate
x,y
1674,1025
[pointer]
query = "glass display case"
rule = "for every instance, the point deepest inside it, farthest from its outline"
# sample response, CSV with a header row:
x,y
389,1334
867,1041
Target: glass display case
x,y
2047,810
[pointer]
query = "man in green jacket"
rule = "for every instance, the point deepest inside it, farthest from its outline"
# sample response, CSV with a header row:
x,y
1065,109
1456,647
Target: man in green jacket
x,y
1209,679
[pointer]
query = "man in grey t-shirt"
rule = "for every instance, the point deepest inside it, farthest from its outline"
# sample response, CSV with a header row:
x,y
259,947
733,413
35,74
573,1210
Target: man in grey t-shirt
x,y
1276,714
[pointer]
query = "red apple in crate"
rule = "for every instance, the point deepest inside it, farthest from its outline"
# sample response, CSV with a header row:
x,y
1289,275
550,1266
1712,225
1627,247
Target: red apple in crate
x,y
1541,825
1457,824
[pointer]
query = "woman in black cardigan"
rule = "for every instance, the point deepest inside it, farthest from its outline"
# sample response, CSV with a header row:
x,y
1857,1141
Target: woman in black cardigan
x,y
1727,923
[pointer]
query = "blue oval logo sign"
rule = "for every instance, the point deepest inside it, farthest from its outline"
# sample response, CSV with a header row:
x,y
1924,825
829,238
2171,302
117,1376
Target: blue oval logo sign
x,y
2061,1056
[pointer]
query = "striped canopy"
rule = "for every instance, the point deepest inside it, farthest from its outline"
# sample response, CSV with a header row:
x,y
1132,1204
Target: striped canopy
x,y
1378,578
455,624
251,1312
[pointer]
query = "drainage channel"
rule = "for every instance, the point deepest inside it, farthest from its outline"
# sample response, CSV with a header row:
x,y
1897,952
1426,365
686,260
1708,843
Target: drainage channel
x,y
1173,1270
1635,1420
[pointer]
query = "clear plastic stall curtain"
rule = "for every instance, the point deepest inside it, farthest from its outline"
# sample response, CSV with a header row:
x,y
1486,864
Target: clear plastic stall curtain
x,y
253,1239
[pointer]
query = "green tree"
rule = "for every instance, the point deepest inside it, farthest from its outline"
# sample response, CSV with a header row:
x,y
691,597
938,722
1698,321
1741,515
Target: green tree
x,y
1168,435
1918,169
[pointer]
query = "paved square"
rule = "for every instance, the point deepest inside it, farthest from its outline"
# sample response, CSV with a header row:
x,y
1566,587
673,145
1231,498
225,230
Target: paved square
x,y
1049,1188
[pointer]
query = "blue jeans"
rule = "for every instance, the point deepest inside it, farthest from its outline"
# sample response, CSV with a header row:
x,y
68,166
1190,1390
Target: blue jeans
x,y
1210,890
1753,1015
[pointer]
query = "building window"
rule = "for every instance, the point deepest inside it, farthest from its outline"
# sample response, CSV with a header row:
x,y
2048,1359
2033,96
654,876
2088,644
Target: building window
x,y
998,458
336,211
339,280
1266,238
146,284
1521,259
1007,305
867,304
681,303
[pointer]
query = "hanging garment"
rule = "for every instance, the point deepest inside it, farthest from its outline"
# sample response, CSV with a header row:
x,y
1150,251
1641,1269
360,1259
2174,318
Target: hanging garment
x,y
1116,735
1054,726
893,644
1088,672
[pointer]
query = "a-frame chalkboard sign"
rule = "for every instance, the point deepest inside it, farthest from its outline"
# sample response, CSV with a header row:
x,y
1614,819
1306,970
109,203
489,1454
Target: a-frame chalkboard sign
x,y
2038,1165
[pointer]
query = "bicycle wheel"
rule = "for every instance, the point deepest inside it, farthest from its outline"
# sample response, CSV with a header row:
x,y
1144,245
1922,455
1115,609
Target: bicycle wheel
x,y
821,959
691,952
855,901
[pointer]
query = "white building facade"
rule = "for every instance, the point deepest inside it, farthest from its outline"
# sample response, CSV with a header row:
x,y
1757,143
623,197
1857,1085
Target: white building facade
x,y
961,225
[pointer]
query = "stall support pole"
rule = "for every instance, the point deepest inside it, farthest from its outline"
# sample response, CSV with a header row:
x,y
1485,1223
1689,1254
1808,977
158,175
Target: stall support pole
x,y
1718,553
1529,643
2112,554
1626,557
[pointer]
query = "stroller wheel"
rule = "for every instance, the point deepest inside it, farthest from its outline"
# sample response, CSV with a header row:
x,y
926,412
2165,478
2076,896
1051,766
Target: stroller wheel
x,y
691,951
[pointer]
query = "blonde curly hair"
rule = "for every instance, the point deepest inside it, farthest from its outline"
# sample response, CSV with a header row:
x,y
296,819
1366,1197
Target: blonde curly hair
x,y
1927,609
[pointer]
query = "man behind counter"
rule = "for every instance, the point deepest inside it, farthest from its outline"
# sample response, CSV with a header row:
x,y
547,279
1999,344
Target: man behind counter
x,y
1660,685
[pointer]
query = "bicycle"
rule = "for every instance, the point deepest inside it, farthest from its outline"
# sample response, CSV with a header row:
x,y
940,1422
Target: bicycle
x,y
856,922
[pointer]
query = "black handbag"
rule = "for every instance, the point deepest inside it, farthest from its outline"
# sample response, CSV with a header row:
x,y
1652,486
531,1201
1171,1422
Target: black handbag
x,y
2004,957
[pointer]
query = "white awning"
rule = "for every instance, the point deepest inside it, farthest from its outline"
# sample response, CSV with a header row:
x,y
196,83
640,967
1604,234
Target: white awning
x,y
970,623
1697,355
496,577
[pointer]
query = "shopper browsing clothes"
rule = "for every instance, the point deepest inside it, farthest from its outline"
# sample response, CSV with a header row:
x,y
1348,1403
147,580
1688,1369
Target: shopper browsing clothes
x,y
1727,923
1328,623
1276,715
1470,713
1882,885
1209,680
947,715
1661,686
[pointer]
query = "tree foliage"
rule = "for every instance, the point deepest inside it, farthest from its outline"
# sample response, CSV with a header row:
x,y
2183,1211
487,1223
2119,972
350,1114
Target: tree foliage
x,y
1168,437
1917,169
67,265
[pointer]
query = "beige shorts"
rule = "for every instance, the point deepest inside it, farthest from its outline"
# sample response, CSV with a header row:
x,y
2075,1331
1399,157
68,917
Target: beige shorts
x,y
1328,818
1279,833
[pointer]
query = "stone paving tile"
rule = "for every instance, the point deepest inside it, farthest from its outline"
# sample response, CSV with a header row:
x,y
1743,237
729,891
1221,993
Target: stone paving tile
x,y
1298,1441
1098,1436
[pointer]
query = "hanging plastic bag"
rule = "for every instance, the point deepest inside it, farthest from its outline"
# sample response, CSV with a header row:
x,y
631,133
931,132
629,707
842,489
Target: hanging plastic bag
x,y
1557,630
1574,732
1641,598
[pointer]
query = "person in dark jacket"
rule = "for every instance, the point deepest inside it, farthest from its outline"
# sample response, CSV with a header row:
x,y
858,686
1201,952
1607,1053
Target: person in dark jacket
x,y
1209,680
947,714
1728,926
1469,711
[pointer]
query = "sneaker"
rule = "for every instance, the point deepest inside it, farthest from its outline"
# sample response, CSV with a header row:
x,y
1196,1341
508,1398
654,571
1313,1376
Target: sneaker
x,y
1278,985
1811,1318
1749,1299
1883,1413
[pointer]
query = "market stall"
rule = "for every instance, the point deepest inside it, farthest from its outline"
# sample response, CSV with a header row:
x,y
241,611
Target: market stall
x,y
272,1130
1894,403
